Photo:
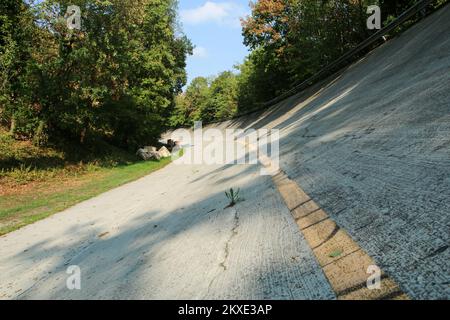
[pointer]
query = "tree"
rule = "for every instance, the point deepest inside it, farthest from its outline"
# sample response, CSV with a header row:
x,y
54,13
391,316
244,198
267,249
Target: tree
x,y
16,34
115,79
222,103
293,39
197,95
207,100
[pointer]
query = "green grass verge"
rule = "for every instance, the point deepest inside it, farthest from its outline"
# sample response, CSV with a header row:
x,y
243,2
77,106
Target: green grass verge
x,y
20,210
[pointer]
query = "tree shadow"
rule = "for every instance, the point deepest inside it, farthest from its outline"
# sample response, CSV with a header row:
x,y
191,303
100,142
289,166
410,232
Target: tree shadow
x,y
200,250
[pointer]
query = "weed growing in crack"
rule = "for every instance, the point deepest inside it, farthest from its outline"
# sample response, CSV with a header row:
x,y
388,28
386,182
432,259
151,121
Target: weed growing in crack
x,y
233,196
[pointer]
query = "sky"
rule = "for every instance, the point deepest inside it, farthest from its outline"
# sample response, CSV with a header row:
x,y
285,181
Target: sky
x,y
214,28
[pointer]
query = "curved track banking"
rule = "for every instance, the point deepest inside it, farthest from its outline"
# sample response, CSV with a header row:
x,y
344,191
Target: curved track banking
x,y
371,147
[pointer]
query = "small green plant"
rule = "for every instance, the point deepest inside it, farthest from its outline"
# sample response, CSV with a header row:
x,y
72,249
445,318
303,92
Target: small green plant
x,y
233,196
335,253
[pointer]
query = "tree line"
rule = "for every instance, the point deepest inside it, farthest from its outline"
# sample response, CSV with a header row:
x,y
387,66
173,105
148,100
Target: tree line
x,y
289,41
121,77
116,79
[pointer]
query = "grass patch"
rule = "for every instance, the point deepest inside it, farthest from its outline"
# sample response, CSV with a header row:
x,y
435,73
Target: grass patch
x,y
36,183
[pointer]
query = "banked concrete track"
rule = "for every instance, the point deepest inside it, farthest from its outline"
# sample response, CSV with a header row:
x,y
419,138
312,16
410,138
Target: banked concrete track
x,y
370,148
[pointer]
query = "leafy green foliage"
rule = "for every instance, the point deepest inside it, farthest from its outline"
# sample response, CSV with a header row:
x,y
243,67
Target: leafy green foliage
x,y
290,40
16,35
222,103
116,79
207,100
293,39
233,196
119,79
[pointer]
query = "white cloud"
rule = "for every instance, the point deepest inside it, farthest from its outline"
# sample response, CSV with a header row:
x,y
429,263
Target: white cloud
x,y
199,52
223,13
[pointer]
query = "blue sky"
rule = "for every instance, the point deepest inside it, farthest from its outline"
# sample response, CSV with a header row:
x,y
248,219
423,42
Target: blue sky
x,y
214,28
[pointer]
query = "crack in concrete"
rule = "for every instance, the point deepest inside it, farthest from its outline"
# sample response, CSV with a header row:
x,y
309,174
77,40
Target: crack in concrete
x,y
228,243
222,264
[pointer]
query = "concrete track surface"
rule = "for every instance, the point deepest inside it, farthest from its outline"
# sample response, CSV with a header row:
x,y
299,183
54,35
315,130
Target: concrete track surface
x,y
370,146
